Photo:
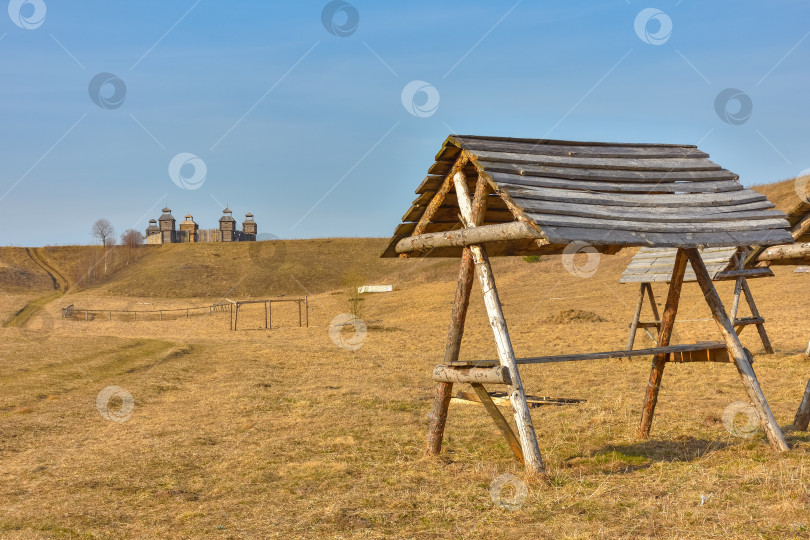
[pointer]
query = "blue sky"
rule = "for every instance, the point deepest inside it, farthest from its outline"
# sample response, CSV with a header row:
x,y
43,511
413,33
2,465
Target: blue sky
x,y
307,129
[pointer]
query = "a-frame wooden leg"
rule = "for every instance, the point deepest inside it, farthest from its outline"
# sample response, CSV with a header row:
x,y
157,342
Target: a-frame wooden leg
x,y
636,316
444,391
803,414
737,352
660,360
763,335
645,290
503,344
654,309
500,421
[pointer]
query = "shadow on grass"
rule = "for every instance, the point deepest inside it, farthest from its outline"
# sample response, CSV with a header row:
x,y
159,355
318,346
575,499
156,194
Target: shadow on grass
x,y
627,458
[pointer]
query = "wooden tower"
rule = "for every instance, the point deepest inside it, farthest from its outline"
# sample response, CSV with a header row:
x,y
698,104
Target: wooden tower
x,y
188,229
166,224
227,226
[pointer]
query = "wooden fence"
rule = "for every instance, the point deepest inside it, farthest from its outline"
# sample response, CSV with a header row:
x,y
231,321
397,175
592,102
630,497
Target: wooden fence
x,y
231,307
303,310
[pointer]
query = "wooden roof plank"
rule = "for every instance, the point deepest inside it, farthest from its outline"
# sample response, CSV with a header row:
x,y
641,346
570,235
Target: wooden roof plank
x,y
675,200
605,164
642,213
659,226
621,175
713,186
580,150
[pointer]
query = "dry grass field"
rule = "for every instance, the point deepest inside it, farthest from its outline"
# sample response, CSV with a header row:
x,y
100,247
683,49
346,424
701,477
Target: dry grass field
x,y
284,433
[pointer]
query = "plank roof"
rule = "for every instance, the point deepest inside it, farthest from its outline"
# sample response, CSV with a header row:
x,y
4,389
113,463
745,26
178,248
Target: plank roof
x,y
650,265
609,195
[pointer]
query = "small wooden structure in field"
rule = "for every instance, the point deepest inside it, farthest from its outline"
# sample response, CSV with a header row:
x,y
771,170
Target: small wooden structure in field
x,y
796,253
652,265
303,310
487,196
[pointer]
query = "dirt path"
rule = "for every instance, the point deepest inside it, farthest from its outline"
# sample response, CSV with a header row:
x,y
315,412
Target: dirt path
x,y
60,283
60,286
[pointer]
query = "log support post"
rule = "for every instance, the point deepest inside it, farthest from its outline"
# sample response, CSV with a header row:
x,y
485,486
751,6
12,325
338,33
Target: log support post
x,y
660,360
444,390
803,414
500,421
645,289
631,339
737,352
503,344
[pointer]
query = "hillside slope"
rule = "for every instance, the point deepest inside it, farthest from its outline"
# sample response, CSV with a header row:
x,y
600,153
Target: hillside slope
x,y
252,269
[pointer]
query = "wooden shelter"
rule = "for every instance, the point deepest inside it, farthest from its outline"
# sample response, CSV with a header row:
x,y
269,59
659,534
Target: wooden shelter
x,y
652,265
487,196
796,253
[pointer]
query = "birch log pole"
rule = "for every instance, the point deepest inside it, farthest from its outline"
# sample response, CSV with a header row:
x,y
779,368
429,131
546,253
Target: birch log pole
x,y
660,360
736,351
506,355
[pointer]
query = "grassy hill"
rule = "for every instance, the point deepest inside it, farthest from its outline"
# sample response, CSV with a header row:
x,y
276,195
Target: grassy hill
x,y
782,194
241,269
249,269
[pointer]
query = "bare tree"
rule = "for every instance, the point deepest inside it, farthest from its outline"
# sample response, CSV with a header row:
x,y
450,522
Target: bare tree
x,y
103,231
132,240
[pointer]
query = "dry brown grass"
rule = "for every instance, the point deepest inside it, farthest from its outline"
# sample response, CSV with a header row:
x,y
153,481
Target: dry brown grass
x,y
282,433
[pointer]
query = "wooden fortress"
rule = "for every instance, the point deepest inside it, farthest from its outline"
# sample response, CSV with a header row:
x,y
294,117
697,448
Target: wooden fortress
x,y
493,196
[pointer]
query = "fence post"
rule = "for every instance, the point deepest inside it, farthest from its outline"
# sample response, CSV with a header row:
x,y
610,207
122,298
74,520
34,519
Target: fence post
x,y
299,314
306,305
85,315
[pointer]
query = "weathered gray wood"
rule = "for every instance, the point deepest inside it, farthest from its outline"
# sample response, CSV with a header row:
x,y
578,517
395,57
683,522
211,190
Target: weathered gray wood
x,y
748,273
674,175
464,237
578,150
711,253
622,164
670,349
660,359
560,142
745,321
483,375
713,186
661,226
738,353
643,214
662,200
500,421
802,418
523,419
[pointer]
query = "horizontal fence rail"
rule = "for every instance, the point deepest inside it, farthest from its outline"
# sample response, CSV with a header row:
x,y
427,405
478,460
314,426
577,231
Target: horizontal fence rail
x,y
231,307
